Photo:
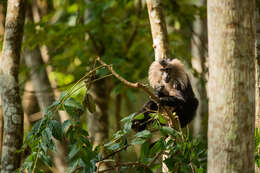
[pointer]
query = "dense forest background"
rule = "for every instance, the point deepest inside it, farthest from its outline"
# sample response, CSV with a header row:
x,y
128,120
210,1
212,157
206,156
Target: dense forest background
x,y
77,115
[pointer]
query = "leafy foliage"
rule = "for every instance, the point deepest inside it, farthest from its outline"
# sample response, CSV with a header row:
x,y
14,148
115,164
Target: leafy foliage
x,y
119,32
184,153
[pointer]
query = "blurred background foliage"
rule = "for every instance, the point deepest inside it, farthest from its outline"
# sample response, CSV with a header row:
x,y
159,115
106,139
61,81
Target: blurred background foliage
x,y
76,31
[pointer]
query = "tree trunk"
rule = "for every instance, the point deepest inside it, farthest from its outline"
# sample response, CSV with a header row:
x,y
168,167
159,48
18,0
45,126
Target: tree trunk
x,y
160,40
99,120
2,30
159,30
41,8
231,31
257,67
198,61
257,77
2,19
9,88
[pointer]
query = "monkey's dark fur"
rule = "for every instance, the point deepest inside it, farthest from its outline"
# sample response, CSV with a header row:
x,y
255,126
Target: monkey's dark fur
x,y
172,85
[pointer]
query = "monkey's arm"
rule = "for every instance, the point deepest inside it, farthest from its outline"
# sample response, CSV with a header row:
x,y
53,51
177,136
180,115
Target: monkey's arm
x,y
173,101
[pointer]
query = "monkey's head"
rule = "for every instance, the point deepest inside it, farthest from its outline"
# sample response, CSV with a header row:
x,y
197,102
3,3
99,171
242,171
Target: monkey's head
x,y
167,71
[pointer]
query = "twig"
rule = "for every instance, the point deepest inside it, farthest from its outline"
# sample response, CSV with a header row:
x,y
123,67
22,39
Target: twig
x,y
128,164
155,158
192,168
113,153
127,83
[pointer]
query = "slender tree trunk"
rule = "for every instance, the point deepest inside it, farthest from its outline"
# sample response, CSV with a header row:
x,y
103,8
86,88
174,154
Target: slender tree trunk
x,y
2,19
99,128
2,30
160,39
30,105
257,67
199,53
159,30
41,8
231,31
11,101
257,77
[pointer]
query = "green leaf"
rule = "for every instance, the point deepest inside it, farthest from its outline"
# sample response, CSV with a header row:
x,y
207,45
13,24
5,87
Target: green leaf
x,y
139,117
144,134
74,150
56,129
157,147
137,141
128,118
73,108
168,130
114,146
162,119
65,124
46,159
73,165
127,127
144,152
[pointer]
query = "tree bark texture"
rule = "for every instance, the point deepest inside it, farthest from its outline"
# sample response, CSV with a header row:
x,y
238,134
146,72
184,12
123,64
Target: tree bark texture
x,y
41,8
2,27
98,124
231,32
257,67
198,61
98,121
160,40
39,77
9,89
159,30
257,77
2,19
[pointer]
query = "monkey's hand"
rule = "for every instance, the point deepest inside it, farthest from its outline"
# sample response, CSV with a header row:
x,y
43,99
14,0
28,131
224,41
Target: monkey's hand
x,y
172,101
159,91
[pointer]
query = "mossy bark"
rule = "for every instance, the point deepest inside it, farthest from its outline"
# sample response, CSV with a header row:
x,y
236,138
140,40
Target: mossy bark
x,y
9,89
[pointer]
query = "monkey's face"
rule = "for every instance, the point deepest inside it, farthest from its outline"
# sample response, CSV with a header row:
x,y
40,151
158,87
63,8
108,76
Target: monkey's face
x,y
166,74
166,71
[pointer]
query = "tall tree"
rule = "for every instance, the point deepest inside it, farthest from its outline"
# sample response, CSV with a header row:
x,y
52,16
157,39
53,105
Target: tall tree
x,y
198,61
231,32
11,101
160,38
257,65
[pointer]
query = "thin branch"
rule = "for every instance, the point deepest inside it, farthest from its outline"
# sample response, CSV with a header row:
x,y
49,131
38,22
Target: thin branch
x,y
113,153
155,158
127,83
